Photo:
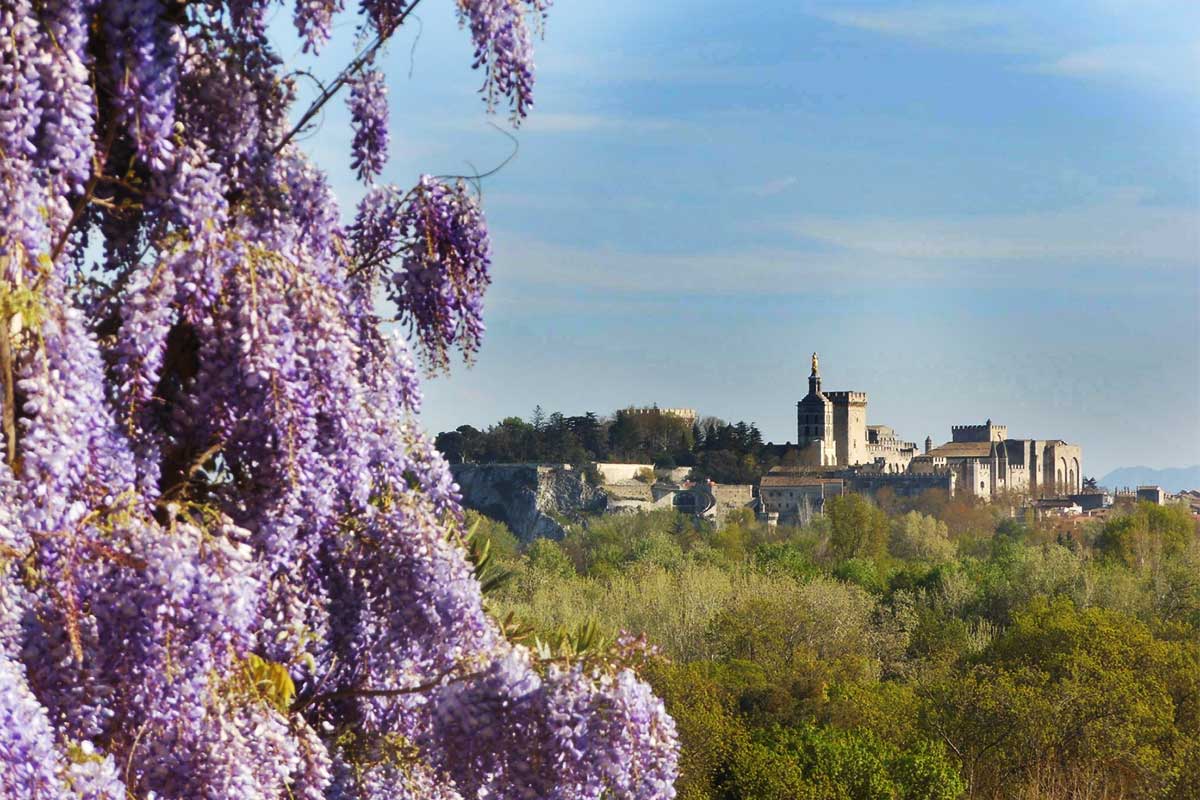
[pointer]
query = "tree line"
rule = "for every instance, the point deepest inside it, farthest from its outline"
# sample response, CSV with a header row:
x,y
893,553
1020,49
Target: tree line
x,y
722,451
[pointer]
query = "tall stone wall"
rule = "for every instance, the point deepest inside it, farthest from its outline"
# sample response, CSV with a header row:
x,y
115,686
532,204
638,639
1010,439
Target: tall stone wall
x,y
612,473
730,497
1064,464
905,485
850,427
979,433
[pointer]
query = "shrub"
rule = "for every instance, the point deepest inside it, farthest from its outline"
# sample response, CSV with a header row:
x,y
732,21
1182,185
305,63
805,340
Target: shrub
x,y
548,557
917,537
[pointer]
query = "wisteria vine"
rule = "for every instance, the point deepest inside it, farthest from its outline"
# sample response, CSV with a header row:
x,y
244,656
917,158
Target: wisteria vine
x,y
231,565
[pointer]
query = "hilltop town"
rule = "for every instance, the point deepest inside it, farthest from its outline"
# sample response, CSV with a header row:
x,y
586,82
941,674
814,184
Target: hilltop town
x,y
531,473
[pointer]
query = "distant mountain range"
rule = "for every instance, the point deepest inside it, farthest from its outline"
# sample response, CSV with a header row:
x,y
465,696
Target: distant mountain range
x,y
1173,479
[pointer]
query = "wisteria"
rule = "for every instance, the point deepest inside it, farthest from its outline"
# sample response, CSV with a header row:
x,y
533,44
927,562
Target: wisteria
x,y
438,235
504,47
231,564
368,111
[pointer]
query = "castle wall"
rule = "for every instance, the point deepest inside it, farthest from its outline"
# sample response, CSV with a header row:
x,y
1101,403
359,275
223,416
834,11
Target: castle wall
x,y
1066,461
795,504
904,485
890,458
1035,464
621,472
850,427
974,477
1016,479
979,433
887,452
688,415
816,454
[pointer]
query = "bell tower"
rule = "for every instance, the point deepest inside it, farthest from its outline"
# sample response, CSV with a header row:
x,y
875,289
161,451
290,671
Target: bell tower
x,y
814,423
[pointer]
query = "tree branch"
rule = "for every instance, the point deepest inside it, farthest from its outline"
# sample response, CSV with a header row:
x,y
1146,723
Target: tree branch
x,y
300,705
352,69
9,400
89,190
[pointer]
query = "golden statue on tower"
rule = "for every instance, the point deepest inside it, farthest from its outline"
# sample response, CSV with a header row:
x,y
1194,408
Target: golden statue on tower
x,y
814,372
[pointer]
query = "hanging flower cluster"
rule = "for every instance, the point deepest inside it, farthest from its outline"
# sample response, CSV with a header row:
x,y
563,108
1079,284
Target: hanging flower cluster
x,y
231,566
438,235
368,110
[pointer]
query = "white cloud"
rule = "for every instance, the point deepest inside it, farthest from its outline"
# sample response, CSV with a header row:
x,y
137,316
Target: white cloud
x,y
1155,50
1042,250
933,21
531,262
1119,231
1169,65
772,187
565,122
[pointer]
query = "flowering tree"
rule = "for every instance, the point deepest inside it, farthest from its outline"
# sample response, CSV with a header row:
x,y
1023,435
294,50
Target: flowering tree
x,y
230,565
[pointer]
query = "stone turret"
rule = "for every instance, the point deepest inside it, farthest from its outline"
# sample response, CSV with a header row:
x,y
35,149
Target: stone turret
x,y
928,443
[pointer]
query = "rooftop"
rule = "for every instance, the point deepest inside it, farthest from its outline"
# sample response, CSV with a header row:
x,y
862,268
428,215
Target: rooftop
x,y
963,450
778,480
805,469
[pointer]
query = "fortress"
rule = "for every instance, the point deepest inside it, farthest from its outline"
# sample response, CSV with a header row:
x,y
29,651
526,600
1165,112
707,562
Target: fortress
x,y
834,439
987,462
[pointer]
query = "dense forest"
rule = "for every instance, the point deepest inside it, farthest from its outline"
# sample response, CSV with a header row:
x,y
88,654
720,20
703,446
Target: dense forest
x,y
725,452
932,649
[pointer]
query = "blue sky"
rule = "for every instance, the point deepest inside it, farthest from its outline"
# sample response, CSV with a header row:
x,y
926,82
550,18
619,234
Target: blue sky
x,y
971,210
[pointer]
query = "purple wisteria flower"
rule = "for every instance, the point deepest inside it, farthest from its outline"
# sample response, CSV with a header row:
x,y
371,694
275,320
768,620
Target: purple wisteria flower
x,y
369,120
247,572
504,47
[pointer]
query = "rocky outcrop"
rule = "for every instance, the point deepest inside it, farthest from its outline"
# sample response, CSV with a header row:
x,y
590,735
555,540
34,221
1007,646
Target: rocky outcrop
x,y
529,498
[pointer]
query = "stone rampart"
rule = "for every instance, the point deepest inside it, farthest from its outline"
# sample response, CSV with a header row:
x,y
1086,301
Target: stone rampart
x,y
614,473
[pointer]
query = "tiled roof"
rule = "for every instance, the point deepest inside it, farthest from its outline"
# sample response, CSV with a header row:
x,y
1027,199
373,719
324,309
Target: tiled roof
x,y
963,450
770,481
809,469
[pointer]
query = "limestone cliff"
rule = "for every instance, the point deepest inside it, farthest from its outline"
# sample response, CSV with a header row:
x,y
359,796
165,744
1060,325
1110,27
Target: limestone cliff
x,y
528,497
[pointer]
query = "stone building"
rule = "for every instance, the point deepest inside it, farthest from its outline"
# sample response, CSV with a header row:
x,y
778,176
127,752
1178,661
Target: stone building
x,y
831,429
987,463
849,426
792,495
688,415
1152,494
887,451
792,498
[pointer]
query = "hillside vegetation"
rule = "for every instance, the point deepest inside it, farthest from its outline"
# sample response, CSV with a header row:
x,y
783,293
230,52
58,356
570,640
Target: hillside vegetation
x,y
938,655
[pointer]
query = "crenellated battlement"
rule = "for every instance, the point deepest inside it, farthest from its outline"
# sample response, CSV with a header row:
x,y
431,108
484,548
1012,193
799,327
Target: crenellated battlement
x,y
848,398
979,433
687,414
